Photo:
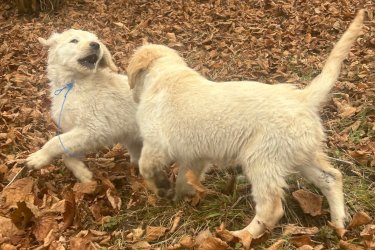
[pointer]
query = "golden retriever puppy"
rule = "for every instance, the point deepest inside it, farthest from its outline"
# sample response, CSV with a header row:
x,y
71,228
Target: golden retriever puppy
x,y
270,130
91,103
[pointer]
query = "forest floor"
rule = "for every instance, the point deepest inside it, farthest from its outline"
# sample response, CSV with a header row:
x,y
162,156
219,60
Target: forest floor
x,y
268,41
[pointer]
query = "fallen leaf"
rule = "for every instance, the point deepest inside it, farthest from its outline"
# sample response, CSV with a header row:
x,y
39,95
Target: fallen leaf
x,y
245,238
171,37
141,245
187,241
211,243
319,247
79,243
349,246
8,229
114,199
154,233
176,221
368,235
309,202
85,187
137,233
296,230
7,246
300,240
345,110
277,245
43,226
70,210
305,247
224,234
22,216
359,219
18,191
152,199
194,181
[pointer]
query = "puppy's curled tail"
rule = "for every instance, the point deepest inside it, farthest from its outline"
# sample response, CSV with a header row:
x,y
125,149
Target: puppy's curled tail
x,y
316,93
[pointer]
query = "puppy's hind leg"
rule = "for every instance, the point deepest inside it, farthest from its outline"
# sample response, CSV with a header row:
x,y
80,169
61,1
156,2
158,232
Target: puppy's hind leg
x,y
329,180
78,168
267,191
152,165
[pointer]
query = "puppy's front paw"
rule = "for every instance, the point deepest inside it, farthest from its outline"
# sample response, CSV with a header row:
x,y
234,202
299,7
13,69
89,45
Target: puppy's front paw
x,y
38,160
161,186
85,175
183,191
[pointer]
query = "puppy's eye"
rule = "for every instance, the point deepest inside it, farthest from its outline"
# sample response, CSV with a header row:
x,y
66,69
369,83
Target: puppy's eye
x,y
74,41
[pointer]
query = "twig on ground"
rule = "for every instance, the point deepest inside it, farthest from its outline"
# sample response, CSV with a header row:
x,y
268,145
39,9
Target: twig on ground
x,y
15,177
342,161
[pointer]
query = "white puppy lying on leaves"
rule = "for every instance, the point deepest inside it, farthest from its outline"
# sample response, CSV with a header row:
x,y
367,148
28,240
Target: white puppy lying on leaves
x,y
90,102
270,130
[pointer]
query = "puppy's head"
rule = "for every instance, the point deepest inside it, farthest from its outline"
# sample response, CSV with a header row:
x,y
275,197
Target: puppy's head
x,y
143,59
78,50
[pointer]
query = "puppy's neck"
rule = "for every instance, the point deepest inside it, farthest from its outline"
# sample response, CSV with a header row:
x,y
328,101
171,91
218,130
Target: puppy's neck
x,y
59,77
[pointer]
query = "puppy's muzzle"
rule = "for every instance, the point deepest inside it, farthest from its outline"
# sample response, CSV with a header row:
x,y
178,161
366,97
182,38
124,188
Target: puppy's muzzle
x,y
89,61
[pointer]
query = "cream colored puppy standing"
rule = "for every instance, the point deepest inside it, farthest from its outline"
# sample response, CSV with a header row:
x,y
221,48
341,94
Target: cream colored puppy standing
x,y
99,109
270,130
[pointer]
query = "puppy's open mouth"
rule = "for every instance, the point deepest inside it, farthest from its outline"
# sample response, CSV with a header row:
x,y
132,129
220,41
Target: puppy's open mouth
x,y
89,61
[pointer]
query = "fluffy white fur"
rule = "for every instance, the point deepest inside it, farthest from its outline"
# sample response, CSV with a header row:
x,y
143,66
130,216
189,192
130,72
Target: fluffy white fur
x,y
270,130
99,110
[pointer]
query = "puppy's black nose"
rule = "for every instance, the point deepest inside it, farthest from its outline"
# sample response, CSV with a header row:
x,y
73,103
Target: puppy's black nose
x,y
94,45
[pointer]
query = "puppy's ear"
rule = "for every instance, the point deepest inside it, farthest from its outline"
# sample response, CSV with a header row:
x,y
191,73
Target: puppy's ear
x,y
50,41
106,60
139,63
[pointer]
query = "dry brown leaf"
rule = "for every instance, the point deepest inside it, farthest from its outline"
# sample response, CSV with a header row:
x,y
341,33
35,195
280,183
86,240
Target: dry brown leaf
x,y
114,199
305,247
300,240
18,191
80,243
154,233
319,247
345,110
212,243
296,230
86,187
56,245
194,181
187,241
224,234
136,233
70,210
22,216
152,199
349,246
176,221
8,229
141,245
359,219
277,245
368,235
245,238
309,202
7,246
43,226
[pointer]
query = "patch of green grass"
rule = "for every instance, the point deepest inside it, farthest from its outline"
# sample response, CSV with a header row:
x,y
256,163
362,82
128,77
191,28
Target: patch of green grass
x,y
356,136
327,235
359,195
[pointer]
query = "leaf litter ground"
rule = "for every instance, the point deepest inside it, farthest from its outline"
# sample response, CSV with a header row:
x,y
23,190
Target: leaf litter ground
x,y
269,41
